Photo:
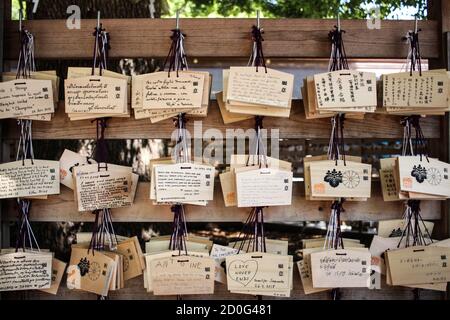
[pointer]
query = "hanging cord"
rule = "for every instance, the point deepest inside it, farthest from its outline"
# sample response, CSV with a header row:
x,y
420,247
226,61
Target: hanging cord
x,y
414,57
25,66
101,49
333,238
336,144
257,55
412,233
338,58
420,143
407,144
176,58
179,230
181,151
259,152
101,148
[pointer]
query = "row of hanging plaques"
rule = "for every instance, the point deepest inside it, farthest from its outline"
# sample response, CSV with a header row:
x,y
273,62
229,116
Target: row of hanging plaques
x,y
247,91
195,271
245,184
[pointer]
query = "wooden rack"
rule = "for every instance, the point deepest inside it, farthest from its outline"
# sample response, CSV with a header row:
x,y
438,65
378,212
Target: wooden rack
x,y
229,38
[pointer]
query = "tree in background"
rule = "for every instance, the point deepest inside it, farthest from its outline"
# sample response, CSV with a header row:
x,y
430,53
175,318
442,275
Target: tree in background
x,y
220,8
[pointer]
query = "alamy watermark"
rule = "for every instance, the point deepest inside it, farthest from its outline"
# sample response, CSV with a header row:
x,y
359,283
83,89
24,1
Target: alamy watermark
x,y
216,146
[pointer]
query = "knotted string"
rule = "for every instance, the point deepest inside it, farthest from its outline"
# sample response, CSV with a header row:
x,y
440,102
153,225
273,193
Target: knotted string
x,y
338,58
176,58
257,55
25,66
414,57
101,49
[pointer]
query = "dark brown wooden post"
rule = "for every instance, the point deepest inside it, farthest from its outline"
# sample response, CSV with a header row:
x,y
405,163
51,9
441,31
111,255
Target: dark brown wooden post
x,y
439,10
2,15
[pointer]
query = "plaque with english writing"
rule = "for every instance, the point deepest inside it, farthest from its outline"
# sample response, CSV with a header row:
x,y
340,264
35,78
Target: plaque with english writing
x,y
26,97
341,268
29,178
95,94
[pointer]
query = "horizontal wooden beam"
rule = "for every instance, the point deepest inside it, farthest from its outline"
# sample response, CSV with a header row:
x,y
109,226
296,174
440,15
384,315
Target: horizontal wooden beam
x,y
296,127
287,38
63,208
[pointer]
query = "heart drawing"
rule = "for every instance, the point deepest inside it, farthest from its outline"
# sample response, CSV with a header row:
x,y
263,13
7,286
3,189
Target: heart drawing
x,y
243,272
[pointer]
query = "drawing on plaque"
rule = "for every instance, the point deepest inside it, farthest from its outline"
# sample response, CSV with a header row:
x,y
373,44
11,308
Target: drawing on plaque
x,y
243,271
334,178
434,176
350,179
420,173
84,266
94,271
88,161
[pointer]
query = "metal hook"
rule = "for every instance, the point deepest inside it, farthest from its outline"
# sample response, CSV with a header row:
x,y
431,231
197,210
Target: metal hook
x,y
98,19
178,20
257,19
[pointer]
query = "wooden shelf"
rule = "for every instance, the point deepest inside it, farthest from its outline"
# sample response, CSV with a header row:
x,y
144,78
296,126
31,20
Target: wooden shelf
x,y
296,127
63,208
